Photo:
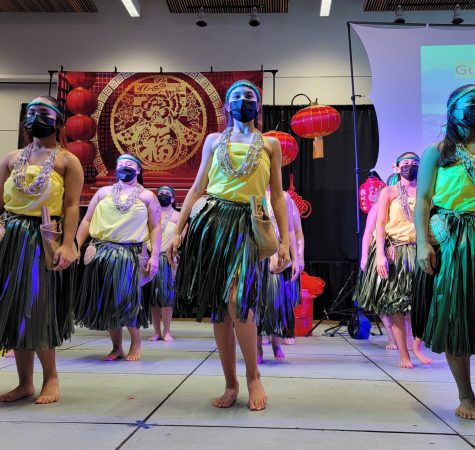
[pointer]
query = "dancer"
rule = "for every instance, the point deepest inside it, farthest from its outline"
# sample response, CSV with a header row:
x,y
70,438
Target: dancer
x,y
387,282
36,303
447,179
281,291
219,267
160,290
120,219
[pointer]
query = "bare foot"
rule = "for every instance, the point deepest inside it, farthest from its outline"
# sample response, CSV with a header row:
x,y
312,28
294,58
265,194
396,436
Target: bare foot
x,y
391,346
18,393
228,399
155,337
49,392
466,410
405,363
279,354
168,337
265,340
135,352
421,357
289,341
9,354
257,395
114,355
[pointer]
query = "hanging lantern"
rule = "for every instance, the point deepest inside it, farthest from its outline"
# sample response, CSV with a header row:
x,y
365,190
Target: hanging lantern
x,y
304,207
290,148
80,128
81,79
315,122
369,192
83,150
81,101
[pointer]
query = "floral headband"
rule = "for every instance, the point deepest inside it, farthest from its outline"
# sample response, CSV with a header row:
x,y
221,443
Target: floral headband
x,y
460,95
131,158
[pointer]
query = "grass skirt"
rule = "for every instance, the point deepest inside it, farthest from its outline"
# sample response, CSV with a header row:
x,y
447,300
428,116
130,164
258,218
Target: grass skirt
x,y
393,295
281,296
450,298
110,296
36,304
160,292
219,248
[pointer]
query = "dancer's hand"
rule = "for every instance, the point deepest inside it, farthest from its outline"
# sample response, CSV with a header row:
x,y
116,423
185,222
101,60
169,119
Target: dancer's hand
x,y
382,266
152,265
295,270
283,257
172,250
63,257
426,258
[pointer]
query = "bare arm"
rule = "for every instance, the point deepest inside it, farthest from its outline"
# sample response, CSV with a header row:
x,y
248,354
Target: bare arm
x,y
368,235
299,235
381,220
83,230
425,191
154,221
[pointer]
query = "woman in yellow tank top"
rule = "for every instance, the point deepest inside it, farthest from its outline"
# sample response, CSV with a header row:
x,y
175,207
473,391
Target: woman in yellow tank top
x,y
445,294
36,304
386,284
120,220
219,266
160,292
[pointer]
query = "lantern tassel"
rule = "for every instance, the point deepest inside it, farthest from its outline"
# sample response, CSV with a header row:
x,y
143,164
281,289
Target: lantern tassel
x,y
318,148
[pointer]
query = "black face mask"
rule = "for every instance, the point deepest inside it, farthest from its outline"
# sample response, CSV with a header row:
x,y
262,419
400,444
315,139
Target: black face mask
x,y
164,200
125,173
409,172
40,125
243,110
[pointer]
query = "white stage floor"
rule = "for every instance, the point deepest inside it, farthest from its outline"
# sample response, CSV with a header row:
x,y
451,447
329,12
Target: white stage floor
x,y
333,393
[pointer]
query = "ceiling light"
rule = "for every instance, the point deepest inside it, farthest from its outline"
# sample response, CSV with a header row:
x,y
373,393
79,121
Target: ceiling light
x,y
133,7
254,20
399,16
201,22
457,18
325,8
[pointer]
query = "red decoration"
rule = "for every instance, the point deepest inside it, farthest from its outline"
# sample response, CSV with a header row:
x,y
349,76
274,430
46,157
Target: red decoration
x,y
369,192
83,150
81,79
290,148
315,122
81,101
304,207
80,128
311,287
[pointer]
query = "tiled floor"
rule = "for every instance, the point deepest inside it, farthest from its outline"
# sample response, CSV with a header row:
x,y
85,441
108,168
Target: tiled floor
x,y
333,393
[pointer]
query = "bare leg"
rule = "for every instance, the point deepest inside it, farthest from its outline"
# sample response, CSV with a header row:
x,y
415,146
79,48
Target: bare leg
x,y
135,345
156,315
226,343
389,331
50,390
167,313
117,351
410,339
399,330
279,354
460,368
265,340
25,388
246,334
260,352
417,349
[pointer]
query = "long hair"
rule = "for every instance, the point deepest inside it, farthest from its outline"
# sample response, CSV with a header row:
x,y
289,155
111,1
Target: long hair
x,y
454,133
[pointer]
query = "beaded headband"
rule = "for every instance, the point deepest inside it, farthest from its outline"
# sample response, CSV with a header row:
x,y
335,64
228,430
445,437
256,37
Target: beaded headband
x,y
48,105
168,188
403,158
243,83
460,95
131,158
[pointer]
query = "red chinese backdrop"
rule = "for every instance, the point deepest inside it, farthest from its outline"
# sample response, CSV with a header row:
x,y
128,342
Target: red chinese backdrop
x,y
161,118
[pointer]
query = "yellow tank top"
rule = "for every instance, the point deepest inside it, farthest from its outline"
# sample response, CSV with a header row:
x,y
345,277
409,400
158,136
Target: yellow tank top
x,y
109,224
239,189
454,189
398,227
167,234
22,204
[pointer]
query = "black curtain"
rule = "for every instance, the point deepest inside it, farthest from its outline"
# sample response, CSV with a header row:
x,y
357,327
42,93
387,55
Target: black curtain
x,y
329,185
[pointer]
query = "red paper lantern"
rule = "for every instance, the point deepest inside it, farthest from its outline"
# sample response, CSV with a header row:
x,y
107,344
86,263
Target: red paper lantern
x,y
315,122
80,128
369,192
81,101
290,148
81,79
83,150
